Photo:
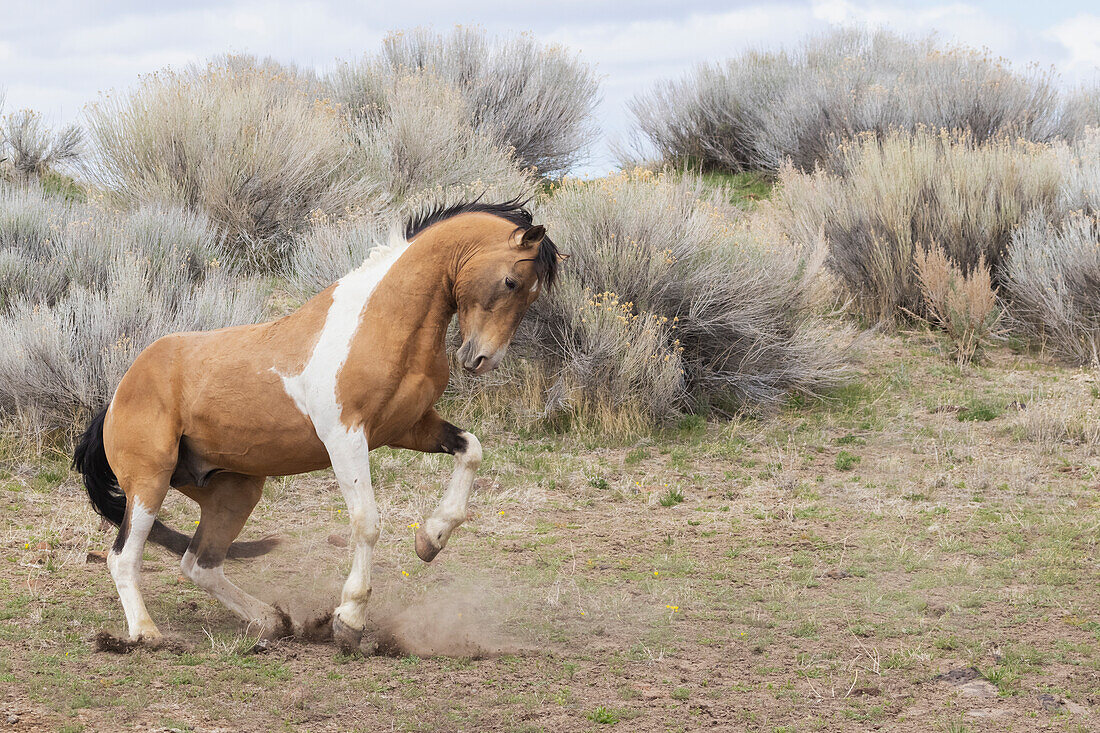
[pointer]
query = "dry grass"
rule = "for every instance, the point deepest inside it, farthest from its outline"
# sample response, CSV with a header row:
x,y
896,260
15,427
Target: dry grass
x,y
963,305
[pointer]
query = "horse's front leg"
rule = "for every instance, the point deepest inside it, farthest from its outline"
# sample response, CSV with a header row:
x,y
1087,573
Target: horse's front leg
x,y
433,434
351,464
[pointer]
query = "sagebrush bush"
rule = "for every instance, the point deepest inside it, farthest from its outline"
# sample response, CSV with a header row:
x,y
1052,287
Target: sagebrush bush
x,y
1080,112
963,305
536,100
1052,285
247,143
885,197
758,110
32,149
83,290
670,303
48,245
422,149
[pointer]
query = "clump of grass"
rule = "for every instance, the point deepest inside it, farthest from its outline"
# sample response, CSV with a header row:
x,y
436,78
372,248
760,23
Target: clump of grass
x,y
980,411
846,461
672,497
964,306
759,110
604,716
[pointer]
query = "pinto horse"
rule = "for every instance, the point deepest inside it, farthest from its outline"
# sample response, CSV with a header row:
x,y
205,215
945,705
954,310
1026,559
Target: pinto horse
x,y
360,365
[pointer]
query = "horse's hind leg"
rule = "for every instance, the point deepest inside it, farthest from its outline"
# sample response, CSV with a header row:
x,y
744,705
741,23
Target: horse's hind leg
x,y
226,503
143,500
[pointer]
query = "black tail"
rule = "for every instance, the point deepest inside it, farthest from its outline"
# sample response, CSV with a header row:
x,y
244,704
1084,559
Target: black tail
x,y
109,501
91,460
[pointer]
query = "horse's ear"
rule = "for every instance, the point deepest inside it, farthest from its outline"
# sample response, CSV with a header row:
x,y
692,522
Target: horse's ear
x,y
532,236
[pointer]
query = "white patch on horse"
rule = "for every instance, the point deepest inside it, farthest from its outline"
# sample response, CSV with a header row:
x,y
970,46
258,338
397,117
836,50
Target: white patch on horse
x,y
314,392
125,568
314,389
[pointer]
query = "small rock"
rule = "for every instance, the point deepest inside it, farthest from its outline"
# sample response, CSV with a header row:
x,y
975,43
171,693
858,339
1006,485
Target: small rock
x,y
338,540
260,647
837,574
959,676
979,689
96,556
13,719
1075,708
1050,703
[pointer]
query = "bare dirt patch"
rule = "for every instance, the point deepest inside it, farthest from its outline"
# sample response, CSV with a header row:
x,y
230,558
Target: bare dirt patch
x,y
789,587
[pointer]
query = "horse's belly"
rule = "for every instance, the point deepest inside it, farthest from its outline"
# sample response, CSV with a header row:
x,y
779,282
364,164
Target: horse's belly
x,y
252,426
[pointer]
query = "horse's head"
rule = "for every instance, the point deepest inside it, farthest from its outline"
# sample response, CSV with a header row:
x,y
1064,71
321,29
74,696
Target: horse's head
x,y
495,286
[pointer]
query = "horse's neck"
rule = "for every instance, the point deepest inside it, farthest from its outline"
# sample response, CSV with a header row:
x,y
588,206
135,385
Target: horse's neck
x,y
415,296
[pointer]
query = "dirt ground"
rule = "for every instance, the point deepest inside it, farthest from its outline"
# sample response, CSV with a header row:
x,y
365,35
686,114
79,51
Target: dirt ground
x,y
918,552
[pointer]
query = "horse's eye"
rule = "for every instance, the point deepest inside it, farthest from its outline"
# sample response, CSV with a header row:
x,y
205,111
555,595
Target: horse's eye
x,y
509,283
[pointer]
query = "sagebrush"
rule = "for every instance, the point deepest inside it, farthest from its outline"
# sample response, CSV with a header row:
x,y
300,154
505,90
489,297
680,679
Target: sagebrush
x,y
672,302
533,99
249,144
883,198
86,289
761,110
1052,284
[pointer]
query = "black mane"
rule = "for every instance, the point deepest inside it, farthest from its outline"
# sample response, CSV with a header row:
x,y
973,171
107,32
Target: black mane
x,y
514,211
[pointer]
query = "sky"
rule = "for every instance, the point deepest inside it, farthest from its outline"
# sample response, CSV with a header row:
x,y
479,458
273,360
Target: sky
x,y
58,55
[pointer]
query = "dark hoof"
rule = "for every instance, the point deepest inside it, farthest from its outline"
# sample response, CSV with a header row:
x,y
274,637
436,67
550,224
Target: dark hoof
x,y
425,550
346,637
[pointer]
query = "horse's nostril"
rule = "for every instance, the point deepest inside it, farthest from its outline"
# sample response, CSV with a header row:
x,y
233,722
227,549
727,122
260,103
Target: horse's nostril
x,y
477,362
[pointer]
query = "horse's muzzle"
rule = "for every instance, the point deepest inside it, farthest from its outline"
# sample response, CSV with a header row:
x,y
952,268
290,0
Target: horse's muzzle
x,y
476,360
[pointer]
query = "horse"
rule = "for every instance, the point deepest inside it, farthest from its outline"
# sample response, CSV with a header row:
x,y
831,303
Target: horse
x,y
360,365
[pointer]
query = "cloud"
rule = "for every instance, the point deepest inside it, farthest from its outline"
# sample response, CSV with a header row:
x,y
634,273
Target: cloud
x,y
1080,36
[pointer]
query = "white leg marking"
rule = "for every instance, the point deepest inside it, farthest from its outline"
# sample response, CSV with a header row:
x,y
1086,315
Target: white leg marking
x,y
351,465
451,511
314,392
125,568
214,582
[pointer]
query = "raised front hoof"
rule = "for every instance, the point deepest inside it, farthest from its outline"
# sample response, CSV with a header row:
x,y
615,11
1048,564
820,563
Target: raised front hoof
x,y
346,638
425,550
